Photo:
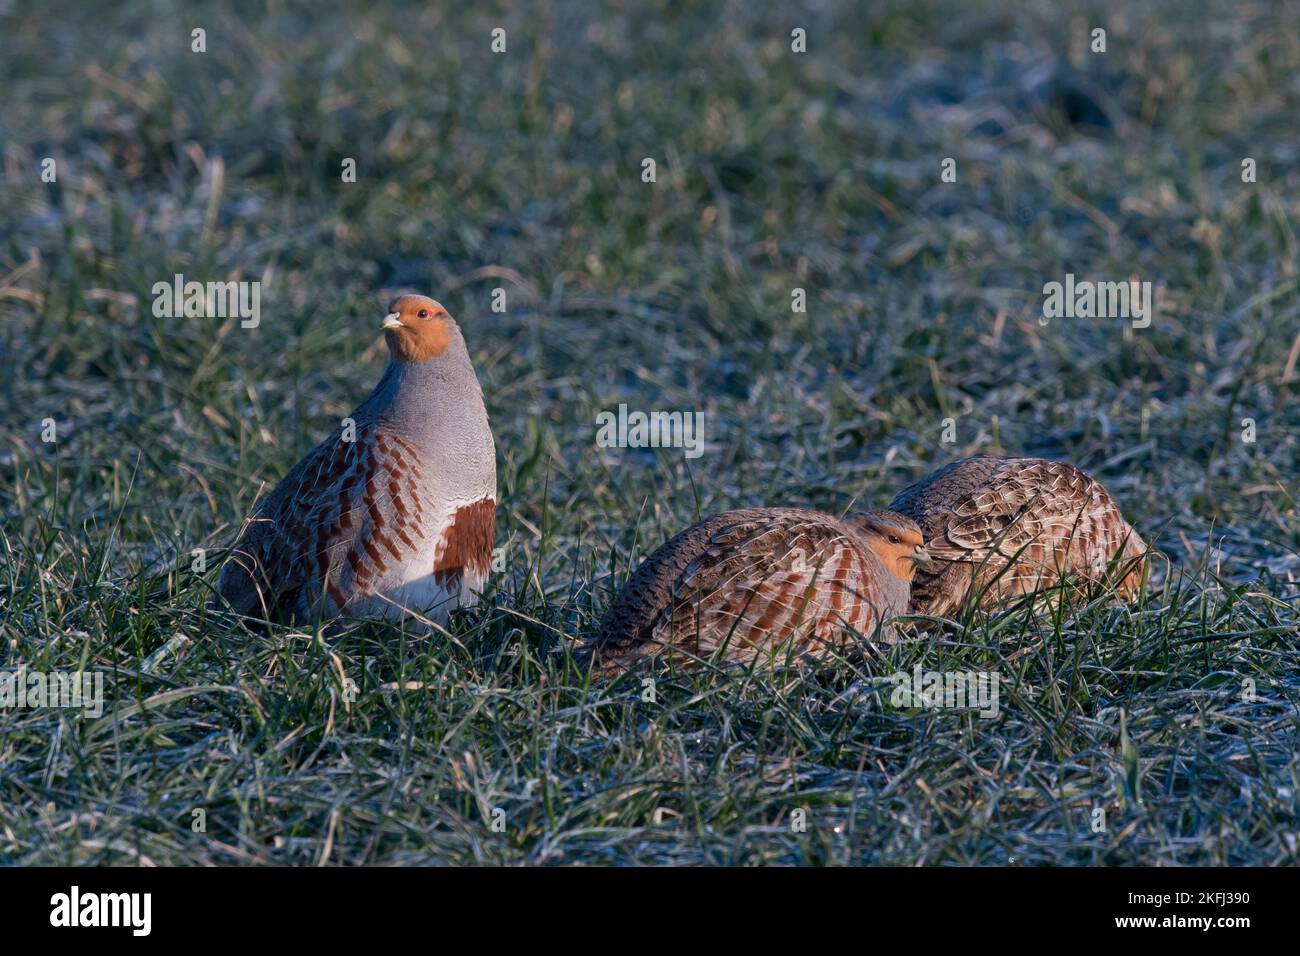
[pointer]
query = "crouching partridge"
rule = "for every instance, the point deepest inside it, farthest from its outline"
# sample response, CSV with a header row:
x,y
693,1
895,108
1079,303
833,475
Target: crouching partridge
x,y
1000,528
394,513
754,582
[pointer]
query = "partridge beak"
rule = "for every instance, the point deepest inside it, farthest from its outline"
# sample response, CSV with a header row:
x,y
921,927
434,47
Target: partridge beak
x,y
922,557
393,320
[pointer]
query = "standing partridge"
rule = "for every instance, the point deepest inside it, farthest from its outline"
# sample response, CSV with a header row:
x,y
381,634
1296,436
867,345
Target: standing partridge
x,y
1000,528
392,514
755,581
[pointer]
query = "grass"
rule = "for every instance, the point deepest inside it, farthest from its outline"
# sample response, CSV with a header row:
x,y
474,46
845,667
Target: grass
x,y
775,171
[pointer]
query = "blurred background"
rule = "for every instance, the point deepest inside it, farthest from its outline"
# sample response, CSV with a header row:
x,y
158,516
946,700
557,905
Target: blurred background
x,y
775,171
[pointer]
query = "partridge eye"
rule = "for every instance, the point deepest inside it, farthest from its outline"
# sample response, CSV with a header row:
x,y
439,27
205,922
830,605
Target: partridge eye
x,y
423,313
893,539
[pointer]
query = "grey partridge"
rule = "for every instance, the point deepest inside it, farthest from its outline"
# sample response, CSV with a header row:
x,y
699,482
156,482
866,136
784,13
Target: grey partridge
x,y
1001,528
392,516
754,582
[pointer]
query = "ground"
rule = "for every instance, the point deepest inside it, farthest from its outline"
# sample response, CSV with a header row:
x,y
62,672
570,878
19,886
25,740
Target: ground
x,y
1164,732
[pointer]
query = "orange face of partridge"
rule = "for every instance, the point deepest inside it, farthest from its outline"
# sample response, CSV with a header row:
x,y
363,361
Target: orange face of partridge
x,y
896,540
417,328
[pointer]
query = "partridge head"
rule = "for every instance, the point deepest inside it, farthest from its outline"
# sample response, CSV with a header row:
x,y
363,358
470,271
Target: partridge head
x,y
895,539
417,328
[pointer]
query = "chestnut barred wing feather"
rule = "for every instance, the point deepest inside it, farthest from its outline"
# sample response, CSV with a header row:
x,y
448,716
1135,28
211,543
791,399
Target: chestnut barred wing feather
x,y
347,520
746,582
269,569
1012,526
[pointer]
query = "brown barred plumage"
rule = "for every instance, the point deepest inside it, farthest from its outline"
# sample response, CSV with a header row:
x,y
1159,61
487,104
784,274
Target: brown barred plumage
x,y
392,515
1006,527
758,581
